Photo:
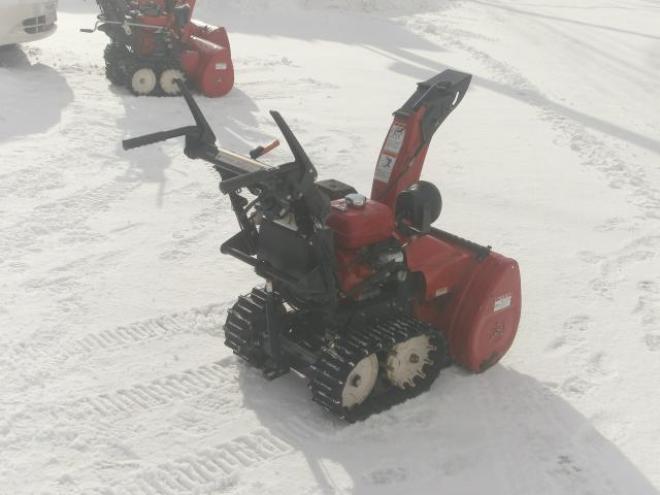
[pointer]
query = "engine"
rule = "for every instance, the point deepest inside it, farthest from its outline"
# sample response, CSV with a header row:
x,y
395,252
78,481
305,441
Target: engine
x,y
366,246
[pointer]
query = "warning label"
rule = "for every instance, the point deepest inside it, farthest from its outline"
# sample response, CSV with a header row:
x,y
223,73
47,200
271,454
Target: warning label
x,y
394,139
384,168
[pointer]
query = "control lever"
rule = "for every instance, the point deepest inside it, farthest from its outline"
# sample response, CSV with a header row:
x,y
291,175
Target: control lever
x,y
262,150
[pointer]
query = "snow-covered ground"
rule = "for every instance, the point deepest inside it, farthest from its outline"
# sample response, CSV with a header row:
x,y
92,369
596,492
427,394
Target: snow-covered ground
x,y
113,376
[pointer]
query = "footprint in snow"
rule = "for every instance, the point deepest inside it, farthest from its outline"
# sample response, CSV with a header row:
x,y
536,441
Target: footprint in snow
x,y
612,224
589,257
652,342
577,322
387,476
576,386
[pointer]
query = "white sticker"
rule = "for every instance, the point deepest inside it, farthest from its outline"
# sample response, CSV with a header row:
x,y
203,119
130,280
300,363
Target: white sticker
x,y
384,168
441,291
502,302
395,139
221,66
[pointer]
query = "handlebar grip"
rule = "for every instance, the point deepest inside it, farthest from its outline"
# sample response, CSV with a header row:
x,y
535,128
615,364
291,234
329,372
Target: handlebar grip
x,y
129,144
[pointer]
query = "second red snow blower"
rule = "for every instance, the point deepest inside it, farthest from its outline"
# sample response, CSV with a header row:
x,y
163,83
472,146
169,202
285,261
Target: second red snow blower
x,y
363,296
153,43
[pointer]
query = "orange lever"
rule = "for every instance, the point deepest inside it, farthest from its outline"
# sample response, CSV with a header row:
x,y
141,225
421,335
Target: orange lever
x,y
262,150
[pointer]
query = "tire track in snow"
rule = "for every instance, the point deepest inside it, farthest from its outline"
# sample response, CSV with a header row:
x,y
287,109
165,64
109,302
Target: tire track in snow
x,y
143,397
32,360
62,216
33,418
209,470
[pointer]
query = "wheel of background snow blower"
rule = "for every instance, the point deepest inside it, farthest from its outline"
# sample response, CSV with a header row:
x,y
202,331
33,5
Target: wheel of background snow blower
x,y
167,81
115,56
143,80
409,363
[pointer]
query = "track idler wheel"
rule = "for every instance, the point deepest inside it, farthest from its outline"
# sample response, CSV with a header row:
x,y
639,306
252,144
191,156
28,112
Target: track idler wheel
x,y
143,80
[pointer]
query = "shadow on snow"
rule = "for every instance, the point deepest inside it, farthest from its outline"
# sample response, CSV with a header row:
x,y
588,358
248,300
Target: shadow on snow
x,y
498,432
33,96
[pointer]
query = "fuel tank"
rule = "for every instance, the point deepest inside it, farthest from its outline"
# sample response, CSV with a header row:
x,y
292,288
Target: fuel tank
x,y
360,223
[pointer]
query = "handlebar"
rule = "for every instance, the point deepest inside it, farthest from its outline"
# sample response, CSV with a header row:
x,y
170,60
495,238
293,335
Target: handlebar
x,y
129,144
238,171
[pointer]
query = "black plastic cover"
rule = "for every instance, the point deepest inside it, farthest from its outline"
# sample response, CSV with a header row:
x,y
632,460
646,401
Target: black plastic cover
x,y
335,189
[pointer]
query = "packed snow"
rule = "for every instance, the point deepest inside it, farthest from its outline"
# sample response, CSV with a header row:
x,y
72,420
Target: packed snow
x,y
113,375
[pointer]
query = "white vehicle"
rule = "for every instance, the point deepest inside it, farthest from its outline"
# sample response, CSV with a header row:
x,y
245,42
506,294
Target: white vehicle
x,y
26,20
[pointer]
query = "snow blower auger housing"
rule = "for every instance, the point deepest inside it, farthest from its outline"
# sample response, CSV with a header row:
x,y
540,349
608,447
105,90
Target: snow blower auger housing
x,y
155,42
362,295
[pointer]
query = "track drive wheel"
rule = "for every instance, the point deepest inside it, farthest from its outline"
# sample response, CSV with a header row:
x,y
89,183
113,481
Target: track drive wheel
x,y
116,57
413,362
167,81
142,80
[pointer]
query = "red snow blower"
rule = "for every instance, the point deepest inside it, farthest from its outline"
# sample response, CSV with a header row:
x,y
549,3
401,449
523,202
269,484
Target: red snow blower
x,y
153,43
363,296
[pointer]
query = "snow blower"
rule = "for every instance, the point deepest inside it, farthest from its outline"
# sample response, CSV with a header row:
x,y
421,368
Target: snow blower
x,y
363,296
153,43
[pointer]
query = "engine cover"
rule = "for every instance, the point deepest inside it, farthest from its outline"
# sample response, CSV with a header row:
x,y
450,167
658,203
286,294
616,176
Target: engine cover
x,y
359,226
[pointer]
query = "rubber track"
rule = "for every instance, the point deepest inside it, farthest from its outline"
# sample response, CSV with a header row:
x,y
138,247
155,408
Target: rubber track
x,y
116,57
327,376
244,325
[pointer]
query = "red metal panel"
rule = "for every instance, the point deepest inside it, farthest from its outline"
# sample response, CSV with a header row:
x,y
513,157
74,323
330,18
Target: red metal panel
x,y
214,34
480,317
190,60
443,265
486,319
215,73
350,269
